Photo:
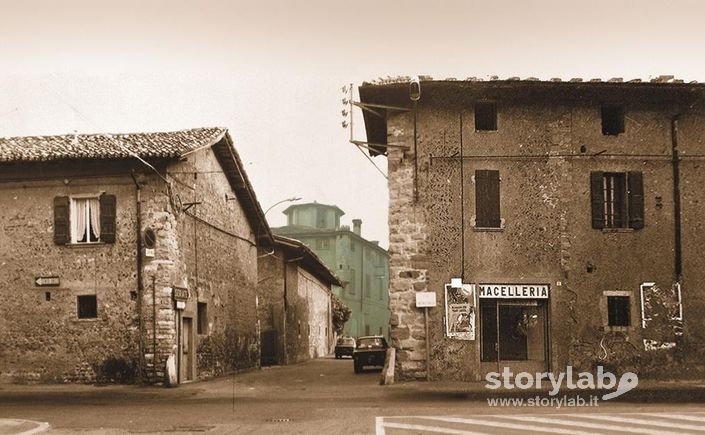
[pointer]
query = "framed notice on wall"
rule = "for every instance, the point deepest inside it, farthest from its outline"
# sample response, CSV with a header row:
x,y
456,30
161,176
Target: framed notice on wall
x,y
460,311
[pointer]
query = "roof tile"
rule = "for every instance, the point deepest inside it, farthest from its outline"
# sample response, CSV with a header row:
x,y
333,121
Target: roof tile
x,y
107,146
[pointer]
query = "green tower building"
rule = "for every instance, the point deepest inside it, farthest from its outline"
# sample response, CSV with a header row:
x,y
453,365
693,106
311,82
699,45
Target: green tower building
x,y
361,264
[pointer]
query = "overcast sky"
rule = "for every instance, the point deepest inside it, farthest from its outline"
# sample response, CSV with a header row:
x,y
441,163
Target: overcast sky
x,y
271,71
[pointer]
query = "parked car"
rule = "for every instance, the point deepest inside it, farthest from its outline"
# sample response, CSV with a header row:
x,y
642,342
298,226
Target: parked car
x,y
370,351
344,346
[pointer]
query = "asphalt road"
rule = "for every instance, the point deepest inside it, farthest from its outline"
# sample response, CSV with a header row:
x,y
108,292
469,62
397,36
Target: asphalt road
x,y
323,396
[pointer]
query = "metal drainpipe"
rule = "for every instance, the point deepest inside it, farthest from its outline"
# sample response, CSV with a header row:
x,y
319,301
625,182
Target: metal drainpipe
x,y
678,266
154,329
140,283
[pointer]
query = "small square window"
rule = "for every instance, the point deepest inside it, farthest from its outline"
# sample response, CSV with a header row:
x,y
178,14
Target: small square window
x,y
618,311
87,307
612,119
202,326
322,244
485,117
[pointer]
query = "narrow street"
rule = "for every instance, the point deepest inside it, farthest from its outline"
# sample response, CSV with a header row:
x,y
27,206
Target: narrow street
x,y
322,396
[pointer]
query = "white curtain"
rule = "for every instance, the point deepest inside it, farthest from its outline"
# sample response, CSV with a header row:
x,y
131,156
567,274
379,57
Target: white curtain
x,y
94,207
78,219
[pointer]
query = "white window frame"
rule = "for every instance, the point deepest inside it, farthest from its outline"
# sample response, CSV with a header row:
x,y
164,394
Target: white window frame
x,y
72,199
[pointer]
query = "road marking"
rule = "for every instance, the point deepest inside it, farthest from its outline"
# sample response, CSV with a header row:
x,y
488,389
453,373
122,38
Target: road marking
x,y
506,425
587,425
674,416
40,426
431,429
645,422
560,424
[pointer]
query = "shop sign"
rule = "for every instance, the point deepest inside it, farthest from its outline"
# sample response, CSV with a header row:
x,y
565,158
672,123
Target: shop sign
x,y
514,291
460,311
180,294
425,299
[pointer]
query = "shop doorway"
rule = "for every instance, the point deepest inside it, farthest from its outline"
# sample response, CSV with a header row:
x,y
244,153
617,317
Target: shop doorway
x,y
514,334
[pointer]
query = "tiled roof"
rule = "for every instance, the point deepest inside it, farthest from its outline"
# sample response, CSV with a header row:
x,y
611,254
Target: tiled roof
x,y
424,78
108,146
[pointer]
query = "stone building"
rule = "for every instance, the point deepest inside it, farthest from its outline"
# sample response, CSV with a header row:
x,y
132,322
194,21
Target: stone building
x,y
118,252
361,264
295,309
568,212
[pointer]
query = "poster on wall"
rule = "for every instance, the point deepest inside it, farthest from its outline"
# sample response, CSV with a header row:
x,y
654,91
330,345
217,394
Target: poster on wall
x,y
460,311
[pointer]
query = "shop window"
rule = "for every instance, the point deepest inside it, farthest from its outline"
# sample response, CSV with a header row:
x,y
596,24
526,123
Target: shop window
x,y
617,200
87,306
612,119
202,311
487,199
513,330
618,308
485,117
84,219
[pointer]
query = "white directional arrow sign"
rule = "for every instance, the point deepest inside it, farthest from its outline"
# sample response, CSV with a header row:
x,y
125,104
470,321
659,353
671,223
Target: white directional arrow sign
x,y
46,281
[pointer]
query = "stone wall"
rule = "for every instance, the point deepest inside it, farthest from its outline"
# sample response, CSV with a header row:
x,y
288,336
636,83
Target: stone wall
x,y
41,338
207,247
547,149
317,296
212,247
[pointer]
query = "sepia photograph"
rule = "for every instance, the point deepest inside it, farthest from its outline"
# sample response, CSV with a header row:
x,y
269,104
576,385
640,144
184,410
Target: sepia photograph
x,y
367,217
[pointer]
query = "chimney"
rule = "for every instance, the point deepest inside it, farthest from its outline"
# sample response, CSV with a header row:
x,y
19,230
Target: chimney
x,y
357,225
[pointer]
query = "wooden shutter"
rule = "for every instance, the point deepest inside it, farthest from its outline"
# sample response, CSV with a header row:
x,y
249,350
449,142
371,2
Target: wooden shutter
x,y
62,234
635,184
107,218
597,200
487,199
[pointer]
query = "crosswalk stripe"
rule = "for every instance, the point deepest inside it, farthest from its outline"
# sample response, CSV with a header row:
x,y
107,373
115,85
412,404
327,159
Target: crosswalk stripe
x,y
477,421
590,425
686,417
644,422
429,429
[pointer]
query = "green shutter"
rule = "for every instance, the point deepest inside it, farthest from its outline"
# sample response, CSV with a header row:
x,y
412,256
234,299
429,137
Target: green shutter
x,y
597,200
107,218
62,233
635,184
487,211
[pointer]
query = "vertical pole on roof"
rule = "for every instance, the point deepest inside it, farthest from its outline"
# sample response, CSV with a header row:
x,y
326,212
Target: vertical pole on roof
x,y
350,109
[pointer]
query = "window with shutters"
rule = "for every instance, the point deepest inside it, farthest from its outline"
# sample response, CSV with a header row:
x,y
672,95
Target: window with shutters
x,y
84,219
617,200
487,211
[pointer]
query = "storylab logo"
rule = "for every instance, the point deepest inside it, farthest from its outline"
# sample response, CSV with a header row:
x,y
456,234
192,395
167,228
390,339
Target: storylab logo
x,y
564,380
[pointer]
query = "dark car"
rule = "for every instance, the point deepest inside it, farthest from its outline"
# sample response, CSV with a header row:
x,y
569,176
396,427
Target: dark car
x,y
344,346
370,351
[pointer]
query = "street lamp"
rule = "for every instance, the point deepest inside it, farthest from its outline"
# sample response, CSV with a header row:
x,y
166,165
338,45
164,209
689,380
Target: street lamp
x,y
292,199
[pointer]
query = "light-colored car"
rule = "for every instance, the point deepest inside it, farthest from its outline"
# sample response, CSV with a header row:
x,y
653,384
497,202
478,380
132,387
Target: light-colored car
x,y
344,346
